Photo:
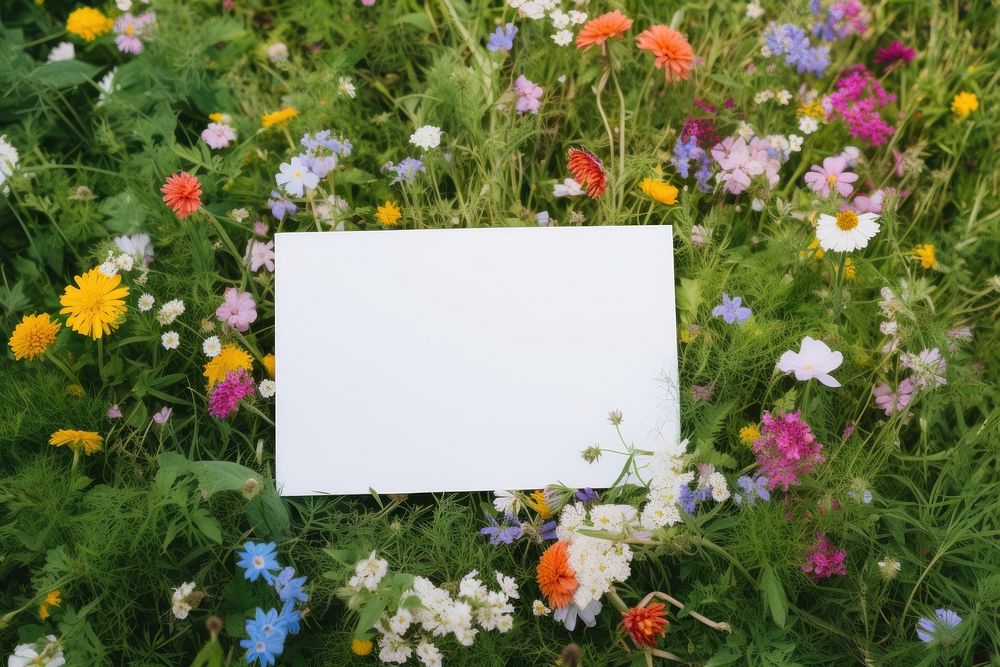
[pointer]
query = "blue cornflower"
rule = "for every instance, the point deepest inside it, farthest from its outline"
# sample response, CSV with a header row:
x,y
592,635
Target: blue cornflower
x,y
502,38
280,205
289,618
791,41
704,174
500,533
289,587
407,170
258,559
548,530
587,495
687,498
939,629
685,150
265,637
732,310
750,489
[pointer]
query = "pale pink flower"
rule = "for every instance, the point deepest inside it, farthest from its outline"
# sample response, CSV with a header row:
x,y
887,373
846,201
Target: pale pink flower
x,y
831,175
260,254
238,309
218,135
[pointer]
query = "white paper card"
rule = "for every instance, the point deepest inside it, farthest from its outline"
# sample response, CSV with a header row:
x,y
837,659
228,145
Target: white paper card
x,y
470,359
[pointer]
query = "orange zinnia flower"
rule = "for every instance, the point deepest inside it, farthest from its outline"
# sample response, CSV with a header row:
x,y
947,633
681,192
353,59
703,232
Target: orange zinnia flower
x,y
671,48
588,171
555,577
182,193
645,625
604,27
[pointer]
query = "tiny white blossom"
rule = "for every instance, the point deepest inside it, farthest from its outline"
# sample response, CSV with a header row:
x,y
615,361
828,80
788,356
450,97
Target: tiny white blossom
x,y
267,389
563,37
754,10
170,340
346,87
108,268
277,52
146,302
62,51
808,125
538,608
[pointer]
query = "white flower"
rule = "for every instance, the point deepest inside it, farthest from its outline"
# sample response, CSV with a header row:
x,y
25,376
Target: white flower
x,y
400,621
783,97
754,10
542,219
745,131
563,37
571,519
538,608
135,245
559,18
369,572
763,96
568,188
211,346
267,388
717,483
889,567
814,359
170,311
700,235
426,137
429,654
277,52
124,262
577,17
179,603
393,649
170,340
239,214
794,143
346,87
146,302
106,86
847,231
808,125
508,585
62,51
123,5
294,177
108,268
757,204
8,160
27,655
507,502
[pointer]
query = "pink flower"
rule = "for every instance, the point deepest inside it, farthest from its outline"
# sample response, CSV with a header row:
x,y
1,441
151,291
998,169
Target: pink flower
x,y
260,254
238,309
740,162
870,203
529,95
163,415
858,98
786,449
831,175
260,228
114,412
228,393
893,401
218,135
824,559
130,29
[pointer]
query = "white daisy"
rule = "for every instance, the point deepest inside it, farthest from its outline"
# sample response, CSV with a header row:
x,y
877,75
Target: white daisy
x,y
211,346
295,177
266,388
62,51
563,37
146,302
847,231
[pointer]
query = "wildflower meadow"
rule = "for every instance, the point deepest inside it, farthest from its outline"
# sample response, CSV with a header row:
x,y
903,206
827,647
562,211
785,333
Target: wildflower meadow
x,y
828,168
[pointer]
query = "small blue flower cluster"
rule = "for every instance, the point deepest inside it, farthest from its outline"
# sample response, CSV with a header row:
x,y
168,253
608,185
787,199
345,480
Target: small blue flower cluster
x,y
267,631
791,41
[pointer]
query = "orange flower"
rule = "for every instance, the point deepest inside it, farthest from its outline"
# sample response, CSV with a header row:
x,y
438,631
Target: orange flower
x,y
671,48
182,193
604,27
645,625
587,171
555,577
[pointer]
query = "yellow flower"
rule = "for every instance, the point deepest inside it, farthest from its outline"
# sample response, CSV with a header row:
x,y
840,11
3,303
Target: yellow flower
x,y
813,250
75,390
925,253
268,362
33,336
812,110
540,504
661,191
964,104
850,272
749,434
96,306
231,358
219,117
88,23
52,599
279,116
388,214
87,441
361,646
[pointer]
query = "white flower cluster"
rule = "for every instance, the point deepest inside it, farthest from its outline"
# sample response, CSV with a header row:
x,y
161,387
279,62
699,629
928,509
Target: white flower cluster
x,y
8,162
426,137
783,96
561,21
113,263
368,572
598,563
667,476
170,311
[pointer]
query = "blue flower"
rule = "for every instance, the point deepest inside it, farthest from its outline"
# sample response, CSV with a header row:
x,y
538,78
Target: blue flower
x,y
258,559
750,489
939,629
407,170
265,637
732,310
548,530
687,500
502,39
289,618
685,150
791,41
280,205
500,533
587,495
289,587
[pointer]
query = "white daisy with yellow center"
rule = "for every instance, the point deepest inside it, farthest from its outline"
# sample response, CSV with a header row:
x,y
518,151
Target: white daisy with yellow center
x,y
294,177
846,231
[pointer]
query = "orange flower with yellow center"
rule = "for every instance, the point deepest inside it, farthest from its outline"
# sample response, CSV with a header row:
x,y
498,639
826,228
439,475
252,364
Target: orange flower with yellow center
x,y
645,625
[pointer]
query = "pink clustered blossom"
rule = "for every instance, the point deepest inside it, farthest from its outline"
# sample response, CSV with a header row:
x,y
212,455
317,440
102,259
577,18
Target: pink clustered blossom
x,y
228,393
238,309
260,255
857,100
832,175
131,29
824,559
740,161
786,449
529,95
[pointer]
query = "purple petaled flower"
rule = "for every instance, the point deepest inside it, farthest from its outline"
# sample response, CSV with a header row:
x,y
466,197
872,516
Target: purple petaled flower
x,y
529,95
750,489
280,205
928,368
700,394
130,29
228,393
685,150
587,495
238,309
406,170
786,449
500,533
114,412
547,531
686,498
831,176
893,401
732,310
790,40
502,39
894,54
163,415
824,559
939,629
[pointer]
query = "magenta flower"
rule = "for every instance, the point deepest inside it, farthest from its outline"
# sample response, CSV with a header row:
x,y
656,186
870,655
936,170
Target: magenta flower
x,y
529,95
238,309
786,449
893,401
895,53
228,393
857,100
831,175
260,254
824,559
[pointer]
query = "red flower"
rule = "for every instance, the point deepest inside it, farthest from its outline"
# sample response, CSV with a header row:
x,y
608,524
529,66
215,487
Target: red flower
x,y
587,171
182,193
645,625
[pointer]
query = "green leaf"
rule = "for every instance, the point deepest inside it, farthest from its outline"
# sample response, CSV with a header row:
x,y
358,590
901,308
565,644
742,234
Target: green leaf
x,y
269,515
207,525
689,299
210,655
370,614
417,19
213,476
125,213
774,595
65,73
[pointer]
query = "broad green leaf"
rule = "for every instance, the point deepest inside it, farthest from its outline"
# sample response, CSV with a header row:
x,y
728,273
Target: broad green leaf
x,y
65,73
774,595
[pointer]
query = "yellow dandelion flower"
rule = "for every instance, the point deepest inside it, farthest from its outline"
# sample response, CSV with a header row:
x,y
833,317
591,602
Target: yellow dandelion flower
x,y
280,116
52,599
850,271
219,117
661,191
964,104
811,110
925,253
361,646
231,358
540,504
88,23
388,214
268,362
86,441
749,434
96,305
32,336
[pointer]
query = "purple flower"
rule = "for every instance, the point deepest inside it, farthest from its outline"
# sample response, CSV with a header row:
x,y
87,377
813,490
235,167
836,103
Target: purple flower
x,y
529,95
700,394
786,450
114,412
895,53
228,393
893,401
686,498
502,39
163,415
406,170
500,533
732,310
238,309
939,629
832,175
685,150
587,495
750,489
790,40
281,205
547,531
130,28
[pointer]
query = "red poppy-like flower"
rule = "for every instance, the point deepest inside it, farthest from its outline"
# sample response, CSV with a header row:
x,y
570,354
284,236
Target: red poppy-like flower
x,y
182,193
587,171
645,625
672,50
604,27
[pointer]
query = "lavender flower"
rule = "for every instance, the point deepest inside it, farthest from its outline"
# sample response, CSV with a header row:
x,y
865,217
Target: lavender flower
x,y
587,495
406,170
280,205
750,489
928,368
502,39
732,310
940,628
500,533
791,41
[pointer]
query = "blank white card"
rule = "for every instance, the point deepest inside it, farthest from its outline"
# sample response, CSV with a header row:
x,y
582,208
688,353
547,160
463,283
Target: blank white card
x,y
470,359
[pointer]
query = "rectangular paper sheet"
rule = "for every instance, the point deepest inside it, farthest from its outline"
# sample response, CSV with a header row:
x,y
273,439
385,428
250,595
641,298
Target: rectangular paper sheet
x,y
470,359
